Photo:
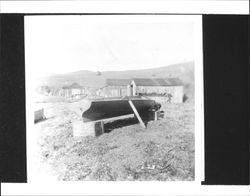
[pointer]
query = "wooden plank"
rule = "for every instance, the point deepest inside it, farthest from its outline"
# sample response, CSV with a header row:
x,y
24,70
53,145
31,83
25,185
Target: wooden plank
x,y
136,113
156,115
118,118
39,115
99,128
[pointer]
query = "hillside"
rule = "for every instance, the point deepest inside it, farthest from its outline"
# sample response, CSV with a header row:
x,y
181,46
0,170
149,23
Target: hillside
x,y
89,78
164,151
184,71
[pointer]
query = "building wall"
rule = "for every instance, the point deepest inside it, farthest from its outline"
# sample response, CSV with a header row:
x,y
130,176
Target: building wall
x,y
176,92
76,92
115,91
72,92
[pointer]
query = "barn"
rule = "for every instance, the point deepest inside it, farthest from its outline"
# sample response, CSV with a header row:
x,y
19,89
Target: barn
x,y
73,90
170,88
115,88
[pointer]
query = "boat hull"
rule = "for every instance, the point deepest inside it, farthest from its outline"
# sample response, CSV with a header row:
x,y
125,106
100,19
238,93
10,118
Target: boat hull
x,y
110,108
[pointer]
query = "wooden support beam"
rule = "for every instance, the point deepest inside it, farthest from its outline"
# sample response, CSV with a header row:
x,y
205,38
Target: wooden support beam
x,y
136,113
155,115
99,128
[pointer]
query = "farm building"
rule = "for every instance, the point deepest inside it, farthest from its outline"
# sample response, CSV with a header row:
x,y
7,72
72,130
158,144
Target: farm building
x,y
171,88
73,90
115,88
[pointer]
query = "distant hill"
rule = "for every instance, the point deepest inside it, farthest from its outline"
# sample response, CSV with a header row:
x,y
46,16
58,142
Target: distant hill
x,y
184,71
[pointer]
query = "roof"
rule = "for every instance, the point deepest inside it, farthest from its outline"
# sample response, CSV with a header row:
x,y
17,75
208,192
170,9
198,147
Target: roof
x,y
73,86
157,81
117,82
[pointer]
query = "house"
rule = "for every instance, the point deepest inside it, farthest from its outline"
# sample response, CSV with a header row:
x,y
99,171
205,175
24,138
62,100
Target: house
x,y
73,90
115,88
170,88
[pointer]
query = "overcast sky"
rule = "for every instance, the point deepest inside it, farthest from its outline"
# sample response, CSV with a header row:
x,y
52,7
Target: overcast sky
x,y
61,44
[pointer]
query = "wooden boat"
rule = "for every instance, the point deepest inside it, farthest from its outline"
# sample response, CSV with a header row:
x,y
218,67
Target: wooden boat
x,y
113,107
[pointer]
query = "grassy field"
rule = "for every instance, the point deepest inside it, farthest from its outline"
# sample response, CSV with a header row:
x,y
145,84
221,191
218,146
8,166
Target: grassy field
x,y
162,151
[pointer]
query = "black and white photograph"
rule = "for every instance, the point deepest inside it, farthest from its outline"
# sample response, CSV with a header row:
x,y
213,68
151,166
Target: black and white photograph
x,y
113,97
124,97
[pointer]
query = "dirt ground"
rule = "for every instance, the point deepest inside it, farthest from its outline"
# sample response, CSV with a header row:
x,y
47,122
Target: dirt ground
x,y
162,151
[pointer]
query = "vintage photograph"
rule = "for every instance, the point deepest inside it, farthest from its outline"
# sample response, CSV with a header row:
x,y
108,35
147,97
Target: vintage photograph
x,y
111,97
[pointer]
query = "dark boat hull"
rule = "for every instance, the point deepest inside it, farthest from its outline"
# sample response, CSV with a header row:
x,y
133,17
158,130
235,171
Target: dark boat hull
x,y
110,108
